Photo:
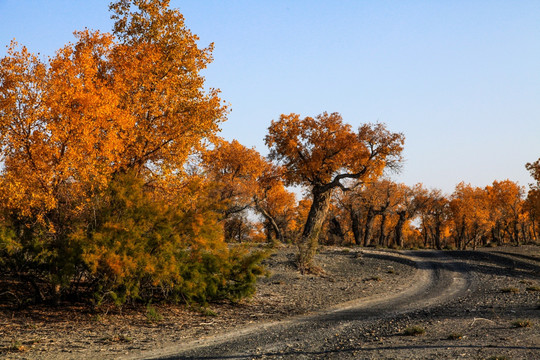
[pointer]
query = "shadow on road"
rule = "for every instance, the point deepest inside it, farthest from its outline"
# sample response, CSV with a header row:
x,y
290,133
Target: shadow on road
x,y
502,263
352,350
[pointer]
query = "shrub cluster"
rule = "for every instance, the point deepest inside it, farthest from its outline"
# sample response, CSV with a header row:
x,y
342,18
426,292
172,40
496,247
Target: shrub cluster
x,y
129,244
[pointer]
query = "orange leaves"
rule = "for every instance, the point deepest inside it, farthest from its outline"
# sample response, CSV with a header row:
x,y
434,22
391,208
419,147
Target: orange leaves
x,y
322,151
237,170
105,104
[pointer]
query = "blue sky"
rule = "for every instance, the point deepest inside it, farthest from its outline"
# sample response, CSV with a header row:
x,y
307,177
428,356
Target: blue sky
x,y
461,79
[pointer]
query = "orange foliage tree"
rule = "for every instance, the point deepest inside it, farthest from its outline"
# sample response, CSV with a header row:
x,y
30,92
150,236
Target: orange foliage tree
x,y
533,197
411,201
506,210
103,105
435,216
131,103
245,180
323,153
470,214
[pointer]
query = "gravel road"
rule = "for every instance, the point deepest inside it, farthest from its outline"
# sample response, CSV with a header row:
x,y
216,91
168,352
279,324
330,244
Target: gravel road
x,y
438,279
447,286
482,304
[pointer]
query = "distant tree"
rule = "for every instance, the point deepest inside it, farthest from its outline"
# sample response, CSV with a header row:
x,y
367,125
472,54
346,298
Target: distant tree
x,y
533,197
245,180
412,200
323,153
506,209
471,215
277,205
434,218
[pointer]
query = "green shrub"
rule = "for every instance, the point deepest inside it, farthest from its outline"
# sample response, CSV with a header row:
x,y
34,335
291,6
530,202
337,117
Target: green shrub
x,y
143,249
131,243
152,314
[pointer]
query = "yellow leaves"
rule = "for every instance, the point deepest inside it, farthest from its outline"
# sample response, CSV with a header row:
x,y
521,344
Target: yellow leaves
x,y
317,150
104,105
237,170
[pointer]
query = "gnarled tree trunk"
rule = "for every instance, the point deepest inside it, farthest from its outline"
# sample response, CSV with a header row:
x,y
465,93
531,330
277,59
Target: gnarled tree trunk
x,y
399,228
309,241
369,226
355,224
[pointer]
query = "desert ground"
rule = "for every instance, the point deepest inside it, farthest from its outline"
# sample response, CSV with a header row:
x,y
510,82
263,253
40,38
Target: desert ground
x,y
368,304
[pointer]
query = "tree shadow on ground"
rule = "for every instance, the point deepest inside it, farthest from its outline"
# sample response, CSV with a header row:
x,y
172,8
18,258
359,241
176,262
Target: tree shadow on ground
x,y
352,350
495,263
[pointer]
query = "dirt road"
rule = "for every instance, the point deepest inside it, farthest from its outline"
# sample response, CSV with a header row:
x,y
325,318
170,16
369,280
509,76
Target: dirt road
x,y
451,298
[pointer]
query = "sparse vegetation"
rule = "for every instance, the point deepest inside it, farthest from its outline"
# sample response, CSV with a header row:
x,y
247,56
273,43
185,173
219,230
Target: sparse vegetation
x,y
152,314
414,331
118,338
455,336
16,346
507,290
207,311
522,323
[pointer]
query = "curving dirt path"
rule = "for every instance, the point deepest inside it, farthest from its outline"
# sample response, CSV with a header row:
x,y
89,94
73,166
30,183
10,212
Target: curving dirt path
x,y
440,278
467,302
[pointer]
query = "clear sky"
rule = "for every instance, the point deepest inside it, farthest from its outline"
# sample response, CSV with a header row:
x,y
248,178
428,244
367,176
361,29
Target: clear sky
x,y
460,78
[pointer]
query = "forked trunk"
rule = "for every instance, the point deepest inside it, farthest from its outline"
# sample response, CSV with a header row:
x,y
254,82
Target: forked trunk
x,y
272,224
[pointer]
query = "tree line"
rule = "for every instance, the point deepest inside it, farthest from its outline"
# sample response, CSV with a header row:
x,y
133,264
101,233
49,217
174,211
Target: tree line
x,y
371,210
115,186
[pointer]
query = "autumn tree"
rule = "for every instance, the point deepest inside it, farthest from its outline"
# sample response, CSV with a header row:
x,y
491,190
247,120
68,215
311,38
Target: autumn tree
x,y
471,215
434,217
245,180
412,201
368,202
278,207
72,128
105,104
323,153
533,197
506,210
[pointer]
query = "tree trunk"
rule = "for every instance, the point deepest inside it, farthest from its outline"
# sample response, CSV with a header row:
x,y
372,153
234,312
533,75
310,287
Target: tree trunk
x,y
369,225
516,232
438,234
355,224
382,238
310,236
425,234
335,231
272,222
399,228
